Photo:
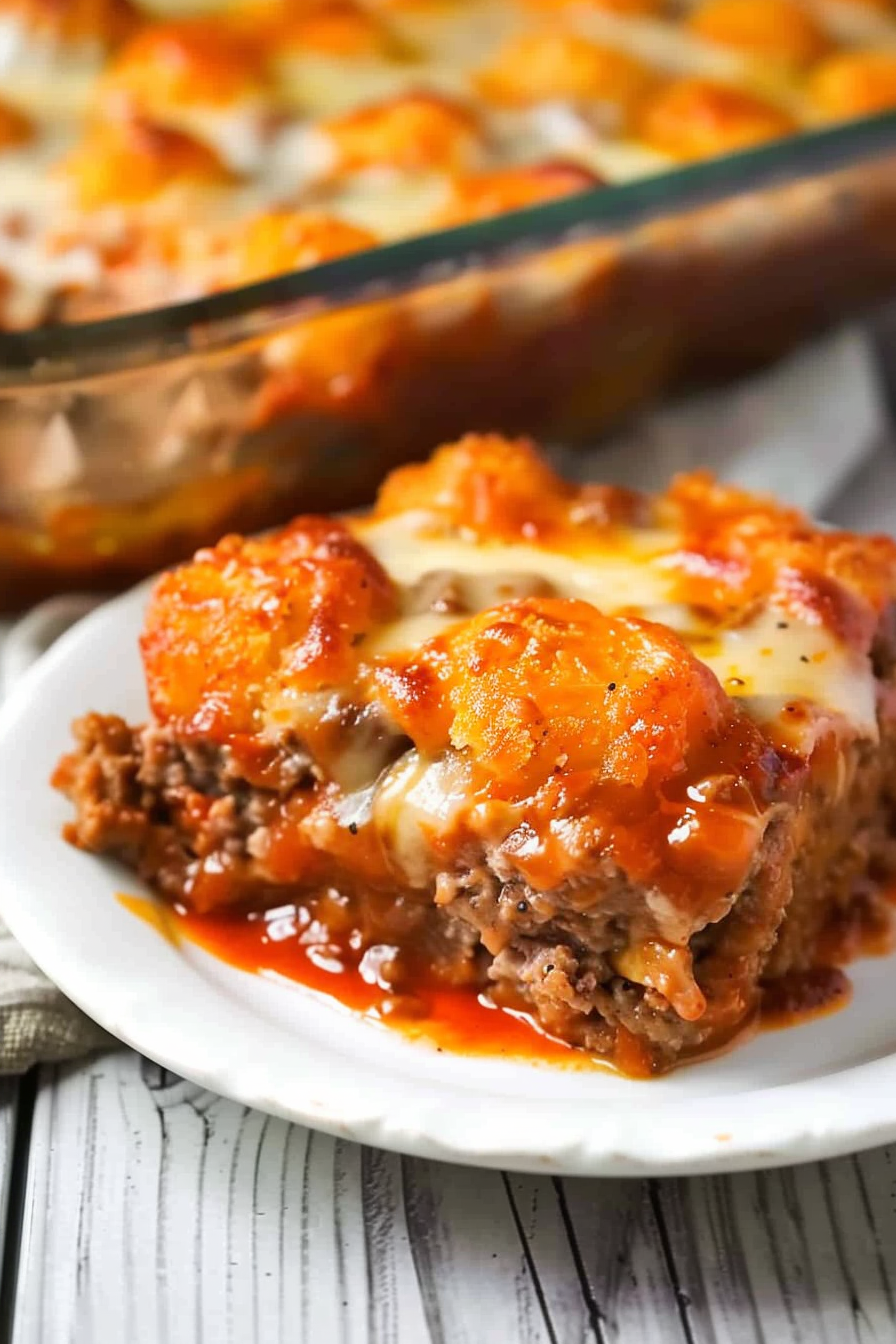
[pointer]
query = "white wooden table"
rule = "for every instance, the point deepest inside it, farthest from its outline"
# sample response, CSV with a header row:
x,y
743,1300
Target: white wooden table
x,y
139,1209
146,1211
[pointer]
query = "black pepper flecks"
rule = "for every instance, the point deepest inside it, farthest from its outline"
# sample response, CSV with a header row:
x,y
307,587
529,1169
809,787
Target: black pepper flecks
x,y
353,827
804,658
611,686
522,906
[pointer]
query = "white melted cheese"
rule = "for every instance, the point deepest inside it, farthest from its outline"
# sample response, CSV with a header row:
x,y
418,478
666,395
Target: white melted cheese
x,y
610,579
770,661
659,44
415,799
392,205
317,84
39,277
586,136
451,37
44,76
801,662
619,160
238,134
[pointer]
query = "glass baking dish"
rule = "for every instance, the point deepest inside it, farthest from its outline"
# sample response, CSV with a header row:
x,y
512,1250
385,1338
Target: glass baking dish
x,y
127,442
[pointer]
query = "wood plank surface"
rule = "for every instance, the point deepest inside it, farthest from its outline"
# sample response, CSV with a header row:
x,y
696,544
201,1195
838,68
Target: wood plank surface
x,y
9,1102
156,1213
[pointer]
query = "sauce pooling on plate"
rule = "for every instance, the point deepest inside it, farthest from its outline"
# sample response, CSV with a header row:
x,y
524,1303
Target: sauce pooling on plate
x,y
270,943
282,943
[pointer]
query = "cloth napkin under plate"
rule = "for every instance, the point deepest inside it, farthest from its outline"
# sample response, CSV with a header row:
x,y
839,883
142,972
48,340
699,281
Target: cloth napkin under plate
x,y
814,430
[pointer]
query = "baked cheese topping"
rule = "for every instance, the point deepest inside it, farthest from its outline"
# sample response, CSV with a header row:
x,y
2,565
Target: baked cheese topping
x,y
495,658
769,656
123,128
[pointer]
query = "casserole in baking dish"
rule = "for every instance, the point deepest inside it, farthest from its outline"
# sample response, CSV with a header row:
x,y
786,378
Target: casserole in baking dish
x,y
376,159
146,159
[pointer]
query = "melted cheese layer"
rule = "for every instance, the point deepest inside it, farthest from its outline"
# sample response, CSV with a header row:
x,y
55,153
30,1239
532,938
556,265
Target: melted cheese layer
x,y
762,660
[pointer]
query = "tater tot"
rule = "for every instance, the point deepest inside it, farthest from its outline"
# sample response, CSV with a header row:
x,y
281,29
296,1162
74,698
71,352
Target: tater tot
x,y
15,128
414,131
288,240
771,29
168,66
699,118
131,161
538,67
481,195
854,84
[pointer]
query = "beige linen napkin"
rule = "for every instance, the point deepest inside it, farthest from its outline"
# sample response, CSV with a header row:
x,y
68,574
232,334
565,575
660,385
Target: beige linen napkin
x,y
38,1024
813,430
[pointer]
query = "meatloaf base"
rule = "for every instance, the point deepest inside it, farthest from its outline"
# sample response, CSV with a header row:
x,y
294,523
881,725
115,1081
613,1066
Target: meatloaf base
x,y
551,954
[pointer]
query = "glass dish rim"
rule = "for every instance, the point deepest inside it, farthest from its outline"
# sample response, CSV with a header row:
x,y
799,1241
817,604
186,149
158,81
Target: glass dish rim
x,y
66,352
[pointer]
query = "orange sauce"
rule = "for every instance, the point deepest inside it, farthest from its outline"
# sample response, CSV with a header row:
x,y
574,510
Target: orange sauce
x,y
459,1019
462,1019
153,913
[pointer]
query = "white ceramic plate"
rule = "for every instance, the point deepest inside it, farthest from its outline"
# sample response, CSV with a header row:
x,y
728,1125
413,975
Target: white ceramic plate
x,y
807,1092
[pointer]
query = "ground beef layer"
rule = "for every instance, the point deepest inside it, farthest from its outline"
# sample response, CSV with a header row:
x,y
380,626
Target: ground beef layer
x,y
563,954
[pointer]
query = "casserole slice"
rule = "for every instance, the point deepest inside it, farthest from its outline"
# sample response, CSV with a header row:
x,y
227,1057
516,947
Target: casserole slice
x,y
618,761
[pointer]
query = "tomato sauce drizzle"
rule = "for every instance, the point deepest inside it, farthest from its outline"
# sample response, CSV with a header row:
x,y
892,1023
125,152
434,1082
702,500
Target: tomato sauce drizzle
x,y
457,1019
461,1019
